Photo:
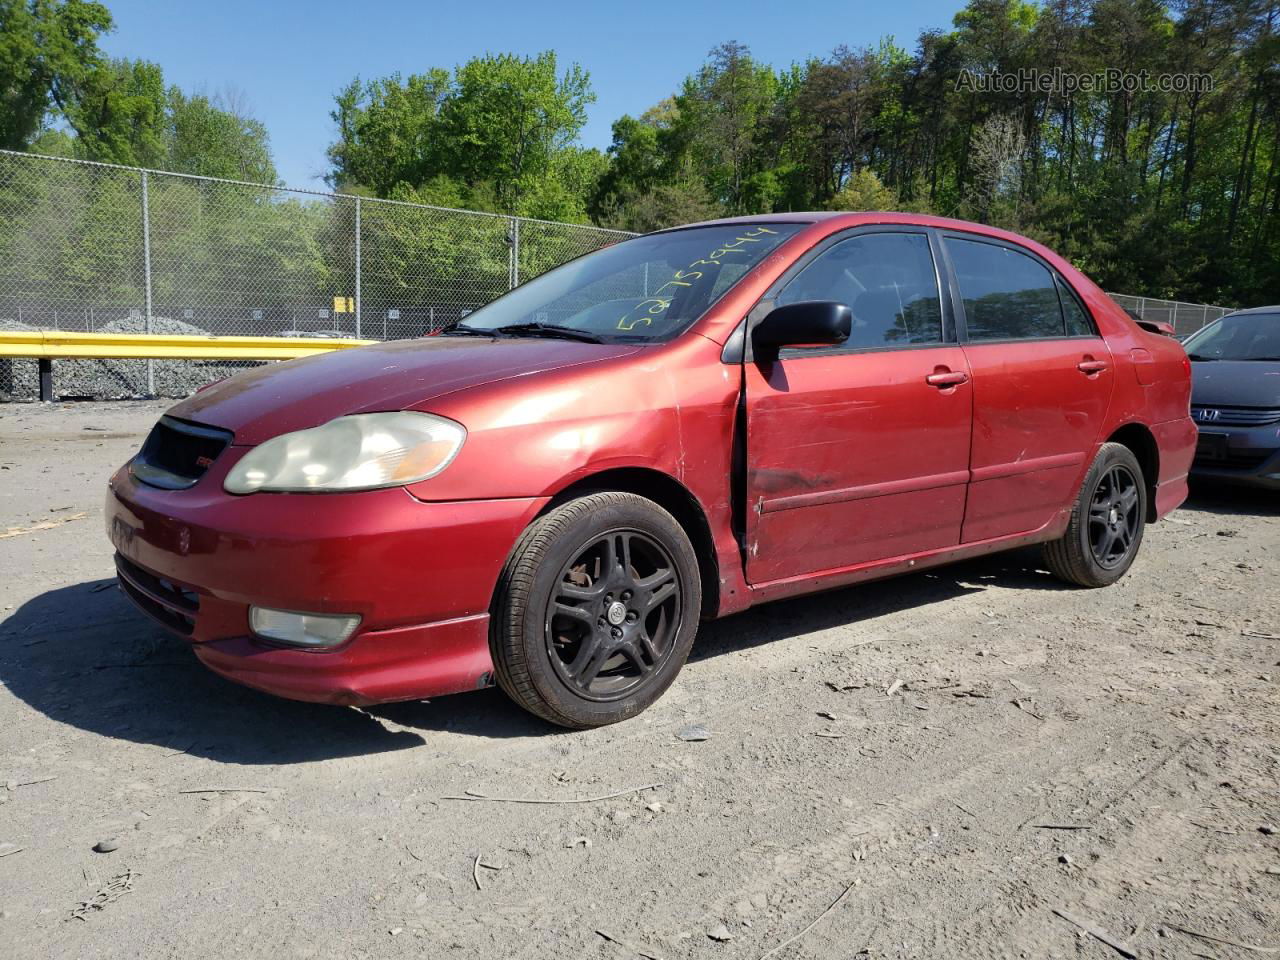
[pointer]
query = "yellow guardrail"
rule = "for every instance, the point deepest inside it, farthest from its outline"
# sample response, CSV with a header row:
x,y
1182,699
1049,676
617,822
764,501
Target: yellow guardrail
x,y
45,346
53,345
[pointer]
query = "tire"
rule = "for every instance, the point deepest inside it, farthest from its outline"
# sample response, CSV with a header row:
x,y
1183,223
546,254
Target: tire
x,y
596,610
1107,522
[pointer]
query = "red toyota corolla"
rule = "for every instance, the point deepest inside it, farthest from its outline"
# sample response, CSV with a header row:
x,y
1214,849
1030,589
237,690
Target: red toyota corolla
x,y
553,494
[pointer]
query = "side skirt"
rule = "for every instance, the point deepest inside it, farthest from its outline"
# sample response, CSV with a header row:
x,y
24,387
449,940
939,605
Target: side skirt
x,y
896,566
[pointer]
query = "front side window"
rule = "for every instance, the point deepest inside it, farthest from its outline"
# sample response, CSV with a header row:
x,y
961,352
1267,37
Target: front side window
x,y
888,281
1007,295
646,289
1248,336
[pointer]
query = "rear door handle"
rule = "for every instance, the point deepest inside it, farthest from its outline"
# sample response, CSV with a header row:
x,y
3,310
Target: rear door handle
x,y
946,378
1090,367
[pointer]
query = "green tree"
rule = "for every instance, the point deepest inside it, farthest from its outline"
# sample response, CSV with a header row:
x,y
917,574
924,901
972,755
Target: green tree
x,y
215,138
507,120
722,111
388,132
498,134
864,191
119,114
48,49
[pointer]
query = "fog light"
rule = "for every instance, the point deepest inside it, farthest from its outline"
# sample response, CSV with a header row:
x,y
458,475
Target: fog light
x,y
302,629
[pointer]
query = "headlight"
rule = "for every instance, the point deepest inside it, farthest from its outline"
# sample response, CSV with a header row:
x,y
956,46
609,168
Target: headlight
x,y
360,452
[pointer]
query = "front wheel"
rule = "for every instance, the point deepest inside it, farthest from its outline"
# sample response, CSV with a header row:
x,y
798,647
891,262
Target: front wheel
x,y
1107,522
596,610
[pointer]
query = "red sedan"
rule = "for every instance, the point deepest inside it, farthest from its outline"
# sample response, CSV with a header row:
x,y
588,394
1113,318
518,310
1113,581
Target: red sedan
x,y
554,493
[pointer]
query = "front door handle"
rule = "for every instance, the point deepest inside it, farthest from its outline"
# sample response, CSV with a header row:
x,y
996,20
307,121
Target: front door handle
x,y
1091,367
947,378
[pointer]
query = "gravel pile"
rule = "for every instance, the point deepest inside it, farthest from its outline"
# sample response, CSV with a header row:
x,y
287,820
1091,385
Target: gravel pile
x,y
116,379
19,379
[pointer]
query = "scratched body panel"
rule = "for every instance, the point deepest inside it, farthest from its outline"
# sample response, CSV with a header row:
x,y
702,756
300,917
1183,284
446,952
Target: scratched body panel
x,y
853,457
1036,419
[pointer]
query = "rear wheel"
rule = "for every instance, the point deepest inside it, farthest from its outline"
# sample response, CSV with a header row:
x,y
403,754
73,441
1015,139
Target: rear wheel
x,y
1107,522
596,610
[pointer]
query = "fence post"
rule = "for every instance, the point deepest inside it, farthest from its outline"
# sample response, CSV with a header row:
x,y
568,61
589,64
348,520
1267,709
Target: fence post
x,y
146,276
358,268
513,275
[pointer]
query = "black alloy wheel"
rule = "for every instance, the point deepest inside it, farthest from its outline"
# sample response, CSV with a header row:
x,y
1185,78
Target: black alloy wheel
x,y
614,615
1113,516
1104,531
596,609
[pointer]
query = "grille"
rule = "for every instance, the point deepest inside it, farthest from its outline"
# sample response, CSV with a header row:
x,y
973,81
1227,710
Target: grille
x,y
1236,416
177,454
165,602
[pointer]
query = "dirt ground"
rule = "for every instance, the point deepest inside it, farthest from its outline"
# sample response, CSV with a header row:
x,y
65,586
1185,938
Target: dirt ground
x,y
1143,717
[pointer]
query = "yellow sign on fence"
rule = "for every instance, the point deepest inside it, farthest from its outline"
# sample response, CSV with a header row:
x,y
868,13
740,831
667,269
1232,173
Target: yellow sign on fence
x,y
344,305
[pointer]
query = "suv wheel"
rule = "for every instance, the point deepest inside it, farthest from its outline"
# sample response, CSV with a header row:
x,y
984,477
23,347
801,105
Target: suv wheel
x,y
596,610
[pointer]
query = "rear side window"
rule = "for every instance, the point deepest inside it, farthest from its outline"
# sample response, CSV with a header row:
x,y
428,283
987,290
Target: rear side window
x,y
1007,295
1077,321
887,280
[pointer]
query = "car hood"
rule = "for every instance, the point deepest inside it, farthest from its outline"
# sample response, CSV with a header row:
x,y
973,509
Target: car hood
x,y
399,375
1235,383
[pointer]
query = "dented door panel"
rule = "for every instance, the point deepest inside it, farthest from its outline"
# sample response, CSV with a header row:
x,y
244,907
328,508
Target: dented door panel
x,y
1037,418
853,457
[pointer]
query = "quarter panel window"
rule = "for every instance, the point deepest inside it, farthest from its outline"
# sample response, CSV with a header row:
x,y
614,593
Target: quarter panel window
x,y
1007,295
887,280
1078,323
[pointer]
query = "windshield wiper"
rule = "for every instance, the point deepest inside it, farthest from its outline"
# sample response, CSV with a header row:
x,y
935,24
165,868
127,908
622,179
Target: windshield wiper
x,y
1197,356
462,330
535,329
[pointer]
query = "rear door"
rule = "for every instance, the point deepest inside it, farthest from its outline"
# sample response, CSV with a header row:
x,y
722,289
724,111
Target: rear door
x,y
1042,379
859,452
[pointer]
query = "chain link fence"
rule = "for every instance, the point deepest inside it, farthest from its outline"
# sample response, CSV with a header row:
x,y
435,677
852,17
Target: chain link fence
x,y
1186,318
94,247
100,248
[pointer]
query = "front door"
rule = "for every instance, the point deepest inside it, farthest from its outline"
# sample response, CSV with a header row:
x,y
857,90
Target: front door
x,y
859,452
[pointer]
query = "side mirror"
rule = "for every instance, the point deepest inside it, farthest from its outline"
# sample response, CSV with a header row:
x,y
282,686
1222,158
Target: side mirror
x,y
809,323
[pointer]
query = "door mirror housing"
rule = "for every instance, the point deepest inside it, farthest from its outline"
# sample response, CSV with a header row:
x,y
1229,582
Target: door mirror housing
x,y
809,323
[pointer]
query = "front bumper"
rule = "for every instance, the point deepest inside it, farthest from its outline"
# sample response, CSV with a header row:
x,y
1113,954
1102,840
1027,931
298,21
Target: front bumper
x,y
1248,456
420,575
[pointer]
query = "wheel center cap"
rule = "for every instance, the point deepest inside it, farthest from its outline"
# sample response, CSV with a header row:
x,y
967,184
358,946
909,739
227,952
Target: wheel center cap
x,y
616,613
1115,515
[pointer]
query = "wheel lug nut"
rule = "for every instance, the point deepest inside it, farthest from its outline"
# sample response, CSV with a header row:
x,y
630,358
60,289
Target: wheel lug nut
x,y
626,594
617,632
631,616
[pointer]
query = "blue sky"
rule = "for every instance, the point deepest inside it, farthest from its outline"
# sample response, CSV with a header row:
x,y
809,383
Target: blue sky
x,y
289,57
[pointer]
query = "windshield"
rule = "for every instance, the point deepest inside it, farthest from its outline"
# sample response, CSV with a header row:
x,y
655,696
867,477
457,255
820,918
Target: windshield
x,y
1244,336
649,288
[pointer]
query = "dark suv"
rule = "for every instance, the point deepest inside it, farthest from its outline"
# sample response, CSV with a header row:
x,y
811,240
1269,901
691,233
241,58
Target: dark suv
x,y
1235,397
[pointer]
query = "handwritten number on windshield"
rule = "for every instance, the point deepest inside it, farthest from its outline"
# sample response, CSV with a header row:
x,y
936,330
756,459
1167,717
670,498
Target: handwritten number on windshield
x,y
654,307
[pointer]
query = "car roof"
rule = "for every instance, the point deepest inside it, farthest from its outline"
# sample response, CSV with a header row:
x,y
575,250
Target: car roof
x,y
1253,310
854,218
